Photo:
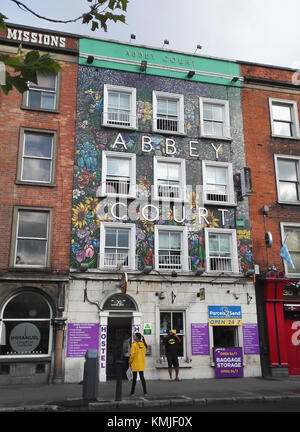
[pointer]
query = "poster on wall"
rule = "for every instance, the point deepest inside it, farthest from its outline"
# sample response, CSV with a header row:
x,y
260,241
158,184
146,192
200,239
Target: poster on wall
x,y
228,362
82,337
250,338
199,339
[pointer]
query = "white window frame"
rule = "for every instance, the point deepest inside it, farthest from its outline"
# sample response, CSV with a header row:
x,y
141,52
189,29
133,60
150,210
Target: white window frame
x,y
182,185
289,158
132,185
132,236
35,88
286,267
180,104
226,125
234,253
230,192
15,237
131,91
184,247
184,333
294,117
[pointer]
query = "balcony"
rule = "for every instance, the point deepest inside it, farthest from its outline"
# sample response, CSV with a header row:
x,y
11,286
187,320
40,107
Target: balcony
x,y
118,187
220,264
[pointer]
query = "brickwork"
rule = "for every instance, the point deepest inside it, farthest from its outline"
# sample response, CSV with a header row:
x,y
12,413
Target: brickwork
x,y
260,149
58,197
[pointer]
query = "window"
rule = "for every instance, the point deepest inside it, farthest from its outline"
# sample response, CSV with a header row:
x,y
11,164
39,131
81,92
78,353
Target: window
x,y
119,108
28,330
168,113
31,234
291,231
171,249
169,178
221,250
284,118
37,157
287,176
214,115
173,320
44,94
118,174
117,246
218,183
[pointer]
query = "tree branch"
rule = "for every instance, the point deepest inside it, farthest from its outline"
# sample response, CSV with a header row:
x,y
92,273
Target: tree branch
x,y
25,7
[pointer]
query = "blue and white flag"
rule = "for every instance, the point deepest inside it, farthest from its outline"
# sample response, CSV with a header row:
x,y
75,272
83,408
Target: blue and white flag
x,y
285,255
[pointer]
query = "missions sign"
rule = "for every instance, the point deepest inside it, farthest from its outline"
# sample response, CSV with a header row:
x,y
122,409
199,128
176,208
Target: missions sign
x,y
36,38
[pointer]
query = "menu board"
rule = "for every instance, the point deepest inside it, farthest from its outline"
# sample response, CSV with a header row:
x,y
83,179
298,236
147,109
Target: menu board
x,y
82,337
199,339
250,338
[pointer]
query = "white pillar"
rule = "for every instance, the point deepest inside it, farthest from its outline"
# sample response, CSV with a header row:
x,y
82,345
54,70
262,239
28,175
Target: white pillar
x,y
103,317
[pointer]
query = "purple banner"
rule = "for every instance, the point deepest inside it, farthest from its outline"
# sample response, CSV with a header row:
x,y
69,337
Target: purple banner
x,y
228,362
199,339
250,338
82,337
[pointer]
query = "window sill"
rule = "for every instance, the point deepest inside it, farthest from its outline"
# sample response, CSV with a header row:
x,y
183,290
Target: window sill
x,y
29,269
221,138
165,132
182,365
116,126
289,202
30,183
221,203
286,137
50,111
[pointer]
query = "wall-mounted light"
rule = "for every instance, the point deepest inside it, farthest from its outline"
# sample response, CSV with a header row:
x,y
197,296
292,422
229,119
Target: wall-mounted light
x,y
143,66
132,36
90,59
249,298
166,42
236,296
190,74
161,295
198,47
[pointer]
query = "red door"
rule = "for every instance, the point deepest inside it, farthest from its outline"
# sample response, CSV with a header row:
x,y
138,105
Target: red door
x,y
293,346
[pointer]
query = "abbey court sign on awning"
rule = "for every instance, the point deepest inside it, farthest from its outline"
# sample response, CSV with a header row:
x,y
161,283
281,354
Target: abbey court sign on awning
x,y
21,35
225,315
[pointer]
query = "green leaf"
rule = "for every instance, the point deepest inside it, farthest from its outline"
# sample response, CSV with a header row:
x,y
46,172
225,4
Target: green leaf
x,y
2,22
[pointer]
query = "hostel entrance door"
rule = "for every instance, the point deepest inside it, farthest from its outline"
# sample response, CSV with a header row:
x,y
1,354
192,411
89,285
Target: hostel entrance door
x,y
117,329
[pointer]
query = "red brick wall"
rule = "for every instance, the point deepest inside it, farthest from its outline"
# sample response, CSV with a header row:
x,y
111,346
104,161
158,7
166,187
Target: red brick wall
x,y
12,117
260,149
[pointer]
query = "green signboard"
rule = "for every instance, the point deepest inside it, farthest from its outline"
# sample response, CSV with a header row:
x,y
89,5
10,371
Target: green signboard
x,y
172,64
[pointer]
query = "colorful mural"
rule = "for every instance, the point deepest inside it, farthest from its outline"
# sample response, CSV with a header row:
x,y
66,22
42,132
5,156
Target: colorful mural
x,y
92,139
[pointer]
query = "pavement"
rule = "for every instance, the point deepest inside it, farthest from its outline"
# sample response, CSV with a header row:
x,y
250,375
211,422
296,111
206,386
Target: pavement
x,y
69,397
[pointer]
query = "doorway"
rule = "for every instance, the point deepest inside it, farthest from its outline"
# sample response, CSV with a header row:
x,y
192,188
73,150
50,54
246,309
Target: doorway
x,y
117,329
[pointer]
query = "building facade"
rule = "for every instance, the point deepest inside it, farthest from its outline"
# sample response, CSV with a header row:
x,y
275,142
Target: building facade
x,y
271,98
161,232
37,153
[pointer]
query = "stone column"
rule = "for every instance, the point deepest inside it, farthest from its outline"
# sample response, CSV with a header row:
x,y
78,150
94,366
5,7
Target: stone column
x,y
59,326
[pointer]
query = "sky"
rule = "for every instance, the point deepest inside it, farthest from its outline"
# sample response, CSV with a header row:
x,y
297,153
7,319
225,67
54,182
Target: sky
x,y
260,31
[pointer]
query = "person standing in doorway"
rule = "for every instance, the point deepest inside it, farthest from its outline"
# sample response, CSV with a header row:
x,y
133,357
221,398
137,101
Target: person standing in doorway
x,y
137,361
169,349
126,351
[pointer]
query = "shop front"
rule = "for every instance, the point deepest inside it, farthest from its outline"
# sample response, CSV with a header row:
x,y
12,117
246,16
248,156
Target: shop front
x,y
282,305
29,337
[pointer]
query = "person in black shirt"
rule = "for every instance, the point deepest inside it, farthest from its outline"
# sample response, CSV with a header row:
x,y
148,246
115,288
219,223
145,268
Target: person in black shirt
x,y
169,350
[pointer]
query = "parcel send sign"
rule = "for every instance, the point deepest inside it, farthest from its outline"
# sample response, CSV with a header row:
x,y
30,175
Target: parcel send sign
x,y
225,315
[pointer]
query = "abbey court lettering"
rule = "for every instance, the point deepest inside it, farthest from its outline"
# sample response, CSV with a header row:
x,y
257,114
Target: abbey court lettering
x,y
36,38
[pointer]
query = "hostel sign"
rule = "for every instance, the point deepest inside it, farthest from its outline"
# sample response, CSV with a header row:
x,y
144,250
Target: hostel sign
x,y
225,315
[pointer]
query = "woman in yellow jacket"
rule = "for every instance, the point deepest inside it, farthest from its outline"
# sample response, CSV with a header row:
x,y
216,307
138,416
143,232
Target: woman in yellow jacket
x,y
137,360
